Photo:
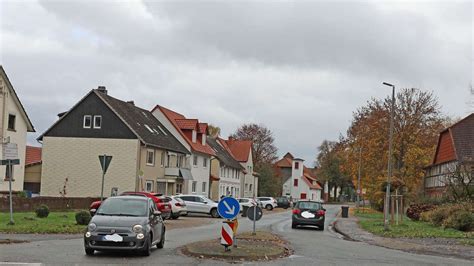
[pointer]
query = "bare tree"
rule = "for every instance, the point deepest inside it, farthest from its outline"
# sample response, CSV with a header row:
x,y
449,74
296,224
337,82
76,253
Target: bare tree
x,y
214,131
460,182
264,149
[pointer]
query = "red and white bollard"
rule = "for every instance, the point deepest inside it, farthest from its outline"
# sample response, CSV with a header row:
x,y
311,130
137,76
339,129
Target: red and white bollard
x,y
227,234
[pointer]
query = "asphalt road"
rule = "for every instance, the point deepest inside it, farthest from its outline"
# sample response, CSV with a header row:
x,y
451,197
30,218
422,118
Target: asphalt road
x,y
311,247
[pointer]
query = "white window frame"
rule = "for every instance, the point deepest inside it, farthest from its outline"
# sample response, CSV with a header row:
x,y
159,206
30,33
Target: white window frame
x,y
194,136
193,186
195,160
148,182
203,139
84,121
204,162
204,187
148,151
95,117
162,159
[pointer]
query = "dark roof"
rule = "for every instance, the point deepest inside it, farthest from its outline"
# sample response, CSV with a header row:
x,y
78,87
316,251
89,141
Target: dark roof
x,y
222,154
29,125
463,138
143,123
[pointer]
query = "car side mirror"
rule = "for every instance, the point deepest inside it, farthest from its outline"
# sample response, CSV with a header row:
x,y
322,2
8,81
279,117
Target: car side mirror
x,y
156,213
92,211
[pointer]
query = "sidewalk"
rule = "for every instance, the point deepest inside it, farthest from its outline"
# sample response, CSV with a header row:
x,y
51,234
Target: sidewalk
x,y
349,227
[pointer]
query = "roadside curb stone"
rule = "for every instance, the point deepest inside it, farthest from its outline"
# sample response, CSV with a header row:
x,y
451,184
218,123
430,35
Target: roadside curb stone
x,y
349,228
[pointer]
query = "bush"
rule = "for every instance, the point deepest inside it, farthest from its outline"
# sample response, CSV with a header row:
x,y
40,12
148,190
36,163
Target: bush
x,y
83,217
462,220
42,211
415,210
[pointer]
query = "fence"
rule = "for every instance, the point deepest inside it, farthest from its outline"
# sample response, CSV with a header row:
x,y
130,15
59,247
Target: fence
x,y
54,203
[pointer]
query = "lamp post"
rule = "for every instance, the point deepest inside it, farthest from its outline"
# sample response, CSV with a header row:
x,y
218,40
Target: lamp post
x,y
358,178
390,150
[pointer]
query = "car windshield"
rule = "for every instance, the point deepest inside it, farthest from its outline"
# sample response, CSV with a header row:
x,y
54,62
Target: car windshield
x,y
309,205
123,207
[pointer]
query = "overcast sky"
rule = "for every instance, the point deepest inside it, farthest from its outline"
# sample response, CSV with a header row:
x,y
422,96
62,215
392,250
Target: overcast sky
x,y
300,68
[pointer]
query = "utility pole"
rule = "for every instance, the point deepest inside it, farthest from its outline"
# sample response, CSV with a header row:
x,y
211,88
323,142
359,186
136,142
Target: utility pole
x,y
390,151
358,178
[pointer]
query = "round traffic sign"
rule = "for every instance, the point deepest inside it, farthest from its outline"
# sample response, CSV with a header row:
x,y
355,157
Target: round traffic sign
x,y
255,215
228,208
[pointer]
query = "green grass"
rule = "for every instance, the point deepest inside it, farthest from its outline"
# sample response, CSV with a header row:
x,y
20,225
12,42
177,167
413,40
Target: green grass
x,y
28,223
416,229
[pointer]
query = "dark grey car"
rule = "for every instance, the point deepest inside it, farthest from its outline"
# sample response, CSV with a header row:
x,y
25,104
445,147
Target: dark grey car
x,y
125,223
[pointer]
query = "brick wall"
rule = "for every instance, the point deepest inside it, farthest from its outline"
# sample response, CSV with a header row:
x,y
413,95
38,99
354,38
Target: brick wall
x,y
54,203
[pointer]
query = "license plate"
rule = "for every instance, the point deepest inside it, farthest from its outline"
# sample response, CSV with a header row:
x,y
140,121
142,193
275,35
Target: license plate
x,y
114,238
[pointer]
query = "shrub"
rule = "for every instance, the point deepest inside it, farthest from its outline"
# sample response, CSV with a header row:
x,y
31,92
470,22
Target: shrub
x,y
462,220
42,211
415,210
83,217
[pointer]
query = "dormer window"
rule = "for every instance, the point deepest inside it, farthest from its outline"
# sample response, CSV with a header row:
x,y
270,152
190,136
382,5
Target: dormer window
x,y
194,136
97,121
87,123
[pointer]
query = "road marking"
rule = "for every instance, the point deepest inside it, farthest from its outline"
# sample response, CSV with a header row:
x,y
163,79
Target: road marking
x,y
19,263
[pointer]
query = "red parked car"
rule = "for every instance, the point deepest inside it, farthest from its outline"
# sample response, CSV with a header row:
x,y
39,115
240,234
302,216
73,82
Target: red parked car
x,y
163,207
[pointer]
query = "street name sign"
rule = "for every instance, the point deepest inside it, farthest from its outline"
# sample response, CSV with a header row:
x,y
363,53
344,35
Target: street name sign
x,y
228,208
9,151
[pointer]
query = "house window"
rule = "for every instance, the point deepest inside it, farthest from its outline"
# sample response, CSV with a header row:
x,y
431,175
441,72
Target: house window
x,y
87,123
250,187
150,157
203,186
193,187
204,162
303,196
246,186
149,186
97,121
11,122
161,187
179,188
195,160
297,165
295,182
194,136
162,163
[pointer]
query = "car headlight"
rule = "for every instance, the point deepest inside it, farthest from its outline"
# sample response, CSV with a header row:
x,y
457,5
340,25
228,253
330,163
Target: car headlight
x,y
88,234
91,226
140,236
137,228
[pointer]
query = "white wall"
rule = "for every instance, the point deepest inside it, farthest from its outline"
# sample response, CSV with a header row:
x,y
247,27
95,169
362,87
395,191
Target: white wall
x,y
200,174
77,159
19,137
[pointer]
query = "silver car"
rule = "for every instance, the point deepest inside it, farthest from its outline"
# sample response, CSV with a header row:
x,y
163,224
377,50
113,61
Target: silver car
x,y
200,204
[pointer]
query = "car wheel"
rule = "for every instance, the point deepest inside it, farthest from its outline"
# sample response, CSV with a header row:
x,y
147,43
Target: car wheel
x,y
147,248
89,251
161,244
321,228
214,213
293,225
174,216
269,207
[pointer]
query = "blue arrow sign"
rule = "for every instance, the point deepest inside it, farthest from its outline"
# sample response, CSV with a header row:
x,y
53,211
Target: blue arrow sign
x,y
228,208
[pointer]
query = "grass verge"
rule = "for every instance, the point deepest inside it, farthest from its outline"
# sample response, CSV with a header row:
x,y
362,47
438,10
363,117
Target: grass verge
x,y
28,223
373,222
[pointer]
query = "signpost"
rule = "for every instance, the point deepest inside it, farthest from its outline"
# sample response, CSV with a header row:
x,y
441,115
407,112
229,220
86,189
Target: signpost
x,y
228,208
104,163
10,158
255,213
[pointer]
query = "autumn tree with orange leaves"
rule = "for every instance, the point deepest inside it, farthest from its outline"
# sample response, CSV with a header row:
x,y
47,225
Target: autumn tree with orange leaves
x,y
418,121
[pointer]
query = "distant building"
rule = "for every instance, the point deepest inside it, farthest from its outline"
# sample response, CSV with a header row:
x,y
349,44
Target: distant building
x,y
14,125
299,182
33,166
455,147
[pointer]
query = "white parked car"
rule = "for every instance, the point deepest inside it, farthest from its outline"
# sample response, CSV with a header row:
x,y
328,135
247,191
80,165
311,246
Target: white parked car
x,y
268,202
199,204
178,207
246,202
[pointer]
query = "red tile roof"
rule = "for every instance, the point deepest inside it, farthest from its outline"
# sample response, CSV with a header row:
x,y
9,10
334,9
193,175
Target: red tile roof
x,y
311,182
190,124
240,149
33,155
203,128
174,117
284,163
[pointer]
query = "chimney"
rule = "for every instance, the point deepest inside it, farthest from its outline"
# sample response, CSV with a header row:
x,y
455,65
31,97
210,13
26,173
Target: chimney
x,y
131,102
102,89
231,139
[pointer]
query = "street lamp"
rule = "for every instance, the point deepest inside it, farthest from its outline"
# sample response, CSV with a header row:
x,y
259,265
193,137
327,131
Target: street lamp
x,y
389,176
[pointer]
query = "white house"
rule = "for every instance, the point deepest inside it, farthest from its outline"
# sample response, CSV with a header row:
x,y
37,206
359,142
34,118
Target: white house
x,y
14,126
298,181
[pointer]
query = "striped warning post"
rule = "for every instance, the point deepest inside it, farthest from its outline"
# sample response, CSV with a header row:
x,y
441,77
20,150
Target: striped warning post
x,y
227,234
